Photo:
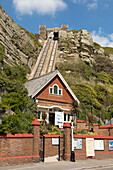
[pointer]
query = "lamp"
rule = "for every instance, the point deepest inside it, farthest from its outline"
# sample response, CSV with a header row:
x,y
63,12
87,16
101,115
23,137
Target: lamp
x,y
72,159
91,116
109,113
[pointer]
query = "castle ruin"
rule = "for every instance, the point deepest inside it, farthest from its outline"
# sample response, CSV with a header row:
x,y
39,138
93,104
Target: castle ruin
x,y
44,32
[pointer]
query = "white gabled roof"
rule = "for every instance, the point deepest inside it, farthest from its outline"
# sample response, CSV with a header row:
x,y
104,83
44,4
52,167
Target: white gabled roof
x,y
34,86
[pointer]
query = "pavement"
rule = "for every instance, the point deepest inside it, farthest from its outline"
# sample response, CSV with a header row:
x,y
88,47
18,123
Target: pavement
x,y
89,164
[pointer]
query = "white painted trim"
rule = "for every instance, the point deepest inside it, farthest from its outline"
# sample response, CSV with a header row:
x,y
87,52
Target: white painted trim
x,y
67,86
63,80
51,107
52,87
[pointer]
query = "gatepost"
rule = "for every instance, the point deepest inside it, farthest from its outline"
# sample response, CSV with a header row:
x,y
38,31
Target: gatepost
x,y
67,134
36,140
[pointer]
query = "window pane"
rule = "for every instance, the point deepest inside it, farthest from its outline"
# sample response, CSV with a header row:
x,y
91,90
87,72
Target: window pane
x,y
50,90
64,117
39,115
55,90
68,117
60,92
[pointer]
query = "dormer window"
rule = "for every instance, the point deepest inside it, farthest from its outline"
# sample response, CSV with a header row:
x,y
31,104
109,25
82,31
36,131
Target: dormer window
x,y
55,90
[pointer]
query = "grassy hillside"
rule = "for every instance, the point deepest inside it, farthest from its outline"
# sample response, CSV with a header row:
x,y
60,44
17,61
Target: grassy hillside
x,y
92,85
14,99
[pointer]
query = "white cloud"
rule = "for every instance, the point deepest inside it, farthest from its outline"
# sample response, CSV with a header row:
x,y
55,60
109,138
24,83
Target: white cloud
x,y
105,40
39,6
90,4
80,1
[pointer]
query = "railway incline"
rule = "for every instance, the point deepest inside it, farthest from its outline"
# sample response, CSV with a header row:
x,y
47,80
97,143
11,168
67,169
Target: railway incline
x,y
46,60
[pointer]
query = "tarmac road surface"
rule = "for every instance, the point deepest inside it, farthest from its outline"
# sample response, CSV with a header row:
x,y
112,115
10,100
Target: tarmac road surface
x,y
90,164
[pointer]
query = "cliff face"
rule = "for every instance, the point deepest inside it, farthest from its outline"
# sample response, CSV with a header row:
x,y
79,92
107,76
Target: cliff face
x,y
79,44
20,46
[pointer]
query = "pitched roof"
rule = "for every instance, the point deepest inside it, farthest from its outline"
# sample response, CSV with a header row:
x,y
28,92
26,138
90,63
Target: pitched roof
x,y
34,86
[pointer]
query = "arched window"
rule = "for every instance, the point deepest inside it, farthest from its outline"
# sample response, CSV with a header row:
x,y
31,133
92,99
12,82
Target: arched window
x,y
55,89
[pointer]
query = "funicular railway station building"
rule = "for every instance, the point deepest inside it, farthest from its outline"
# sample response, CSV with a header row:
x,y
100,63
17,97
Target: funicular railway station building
x,y
52,94
46,85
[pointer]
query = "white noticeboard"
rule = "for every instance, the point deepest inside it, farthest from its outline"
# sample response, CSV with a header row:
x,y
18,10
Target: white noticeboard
x,y
77,143
59,119
90,147
55,141
99,144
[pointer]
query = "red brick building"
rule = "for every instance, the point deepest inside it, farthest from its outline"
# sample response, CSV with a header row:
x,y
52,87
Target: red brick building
x,y
52,94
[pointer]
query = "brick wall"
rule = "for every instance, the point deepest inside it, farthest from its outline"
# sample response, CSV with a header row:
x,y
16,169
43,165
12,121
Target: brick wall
x,y
102,130
20,148
16,150
65,97
24,148
53,103
80,154
52,150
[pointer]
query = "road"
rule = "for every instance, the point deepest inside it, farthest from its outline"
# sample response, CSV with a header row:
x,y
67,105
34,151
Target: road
x,y
62,165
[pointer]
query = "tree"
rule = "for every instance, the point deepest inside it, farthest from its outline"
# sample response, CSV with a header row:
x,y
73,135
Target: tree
x,y
76,108
18,123
14,97
44,115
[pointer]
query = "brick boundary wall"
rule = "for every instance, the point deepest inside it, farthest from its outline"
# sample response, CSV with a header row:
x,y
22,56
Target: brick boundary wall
x,y
20,148
52,150
24,148
80,154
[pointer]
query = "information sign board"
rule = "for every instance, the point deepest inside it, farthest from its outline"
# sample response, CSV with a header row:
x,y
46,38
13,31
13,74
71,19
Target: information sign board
x,y
59,119
110,144
55,141
77,143
99,144
90,147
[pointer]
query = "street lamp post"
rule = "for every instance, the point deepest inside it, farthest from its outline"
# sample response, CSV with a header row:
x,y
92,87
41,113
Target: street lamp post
x,y
109,113
92,116
72,140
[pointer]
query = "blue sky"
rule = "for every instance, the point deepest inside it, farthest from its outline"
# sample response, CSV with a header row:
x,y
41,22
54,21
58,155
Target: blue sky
x,y
96,16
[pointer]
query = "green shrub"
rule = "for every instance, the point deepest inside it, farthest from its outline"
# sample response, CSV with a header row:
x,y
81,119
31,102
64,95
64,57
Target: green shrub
x,y
84,132
96,45
104,78
1,53
1,6
108,50
103,64
18,123
102,93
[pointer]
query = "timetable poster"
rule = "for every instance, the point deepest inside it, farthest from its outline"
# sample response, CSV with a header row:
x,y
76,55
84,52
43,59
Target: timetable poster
x,y
77,143
110,144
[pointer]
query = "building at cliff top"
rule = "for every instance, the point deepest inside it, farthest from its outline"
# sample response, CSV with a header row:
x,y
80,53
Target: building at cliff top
x,y
53,96
45,32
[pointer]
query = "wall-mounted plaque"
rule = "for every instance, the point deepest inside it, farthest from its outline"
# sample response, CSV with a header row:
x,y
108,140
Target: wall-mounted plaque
x,y
55,141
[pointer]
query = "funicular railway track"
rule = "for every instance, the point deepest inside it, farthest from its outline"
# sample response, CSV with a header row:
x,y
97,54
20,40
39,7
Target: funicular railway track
x,y
46,60
42,60
52,58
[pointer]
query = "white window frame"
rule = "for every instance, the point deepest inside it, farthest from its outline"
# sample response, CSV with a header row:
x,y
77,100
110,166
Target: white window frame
x,y
57,89
50,90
